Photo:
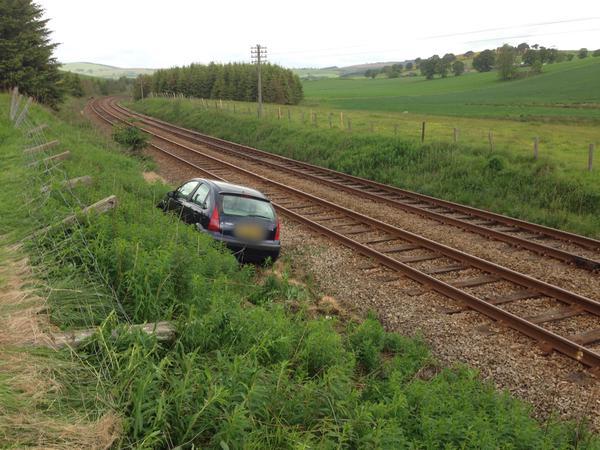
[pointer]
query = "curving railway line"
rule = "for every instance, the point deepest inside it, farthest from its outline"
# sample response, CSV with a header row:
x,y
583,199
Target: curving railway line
x,y
476,283
567,247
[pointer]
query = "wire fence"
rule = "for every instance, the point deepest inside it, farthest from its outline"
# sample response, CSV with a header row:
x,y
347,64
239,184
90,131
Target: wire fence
x,y
45,244
419,129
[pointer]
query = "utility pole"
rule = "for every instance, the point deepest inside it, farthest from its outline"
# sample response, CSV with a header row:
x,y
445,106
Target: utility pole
x,y
259,55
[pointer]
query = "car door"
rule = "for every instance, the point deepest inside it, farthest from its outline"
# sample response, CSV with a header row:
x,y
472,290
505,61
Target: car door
x,y
195,208
181,195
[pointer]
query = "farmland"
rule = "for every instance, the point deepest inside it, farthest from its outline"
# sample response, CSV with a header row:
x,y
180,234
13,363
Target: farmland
x,y
565,90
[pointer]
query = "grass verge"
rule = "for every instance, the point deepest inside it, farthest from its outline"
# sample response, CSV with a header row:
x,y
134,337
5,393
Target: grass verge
x,y
252,366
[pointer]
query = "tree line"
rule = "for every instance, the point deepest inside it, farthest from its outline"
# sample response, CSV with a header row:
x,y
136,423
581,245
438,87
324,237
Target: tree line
x,y
233,81
506,60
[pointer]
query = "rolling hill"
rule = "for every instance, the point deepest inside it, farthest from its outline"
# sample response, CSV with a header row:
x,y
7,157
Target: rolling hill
x,y
564,89
104,71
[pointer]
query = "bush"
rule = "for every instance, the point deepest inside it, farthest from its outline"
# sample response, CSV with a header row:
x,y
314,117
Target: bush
x,y
130,136
596,52
537,67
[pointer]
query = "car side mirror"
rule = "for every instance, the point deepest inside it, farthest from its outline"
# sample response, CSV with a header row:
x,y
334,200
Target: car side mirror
x,y
171,194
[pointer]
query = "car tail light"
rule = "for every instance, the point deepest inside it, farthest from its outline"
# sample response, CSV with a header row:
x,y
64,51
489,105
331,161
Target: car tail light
x,y
215,221
277,230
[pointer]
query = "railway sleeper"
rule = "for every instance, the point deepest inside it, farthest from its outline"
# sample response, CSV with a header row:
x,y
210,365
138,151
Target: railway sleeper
x,y
556,314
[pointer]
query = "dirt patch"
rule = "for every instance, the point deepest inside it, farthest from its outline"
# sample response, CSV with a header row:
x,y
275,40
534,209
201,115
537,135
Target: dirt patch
x,y
23,312
153,177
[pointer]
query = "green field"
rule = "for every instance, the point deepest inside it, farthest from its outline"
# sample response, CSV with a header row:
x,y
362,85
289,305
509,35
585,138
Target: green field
x,y
317,73
568,89
561,108
104,71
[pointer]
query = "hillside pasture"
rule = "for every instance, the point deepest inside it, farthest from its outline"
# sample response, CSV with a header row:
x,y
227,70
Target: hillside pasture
x,y
564,90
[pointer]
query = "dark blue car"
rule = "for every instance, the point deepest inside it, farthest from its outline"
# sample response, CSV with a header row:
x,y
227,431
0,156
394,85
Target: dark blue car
x,y
240,217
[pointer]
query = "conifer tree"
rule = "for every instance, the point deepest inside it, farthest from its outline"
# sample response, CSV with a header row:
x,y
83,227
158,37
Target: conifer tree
x,y
26,57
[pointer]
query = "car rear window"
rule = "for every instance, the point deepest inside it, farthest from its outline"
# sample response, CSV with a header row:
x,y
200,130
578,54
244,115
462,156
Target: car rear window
x,y
237,205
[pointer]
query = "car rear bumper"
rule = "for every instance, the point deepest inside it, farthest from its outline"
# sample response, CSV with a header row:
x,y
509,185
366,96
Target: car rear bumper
x,y
248,251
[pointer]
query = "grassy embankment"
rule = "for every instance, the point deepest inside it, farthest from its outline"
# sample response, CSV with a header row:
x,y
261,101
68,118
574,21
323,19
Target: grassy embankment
x,y
252,365
501,181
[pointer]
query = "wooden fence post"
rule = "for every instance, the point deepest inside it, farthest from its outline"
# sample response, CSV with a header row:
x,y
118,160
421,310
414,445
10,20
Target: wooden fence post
x,y
536,145
330,118
349,124
591,156
24,112
41,147
289,115
423,132
13,103
17,106
491,140
302,117
455,135
341,120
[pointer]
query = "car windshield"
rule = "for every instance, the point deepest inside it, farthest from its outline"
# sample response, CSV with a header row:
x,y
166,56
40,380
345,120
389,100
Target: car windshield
x,y
237,205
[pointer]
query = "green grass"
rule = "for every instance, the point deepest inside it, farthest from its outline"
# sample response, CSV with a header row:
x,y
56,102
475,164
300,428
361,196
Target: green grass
x,y
317,73
251,367
561,91
501,181
103,70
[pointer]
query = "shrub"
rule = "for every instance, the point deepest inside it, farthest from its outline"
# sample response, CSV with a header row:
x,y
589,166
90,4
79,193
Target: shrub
x,y
130,136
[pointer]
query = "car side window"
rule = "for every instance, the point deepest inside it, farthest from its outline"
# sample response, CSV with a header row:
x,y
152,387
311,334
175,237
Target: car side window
x,y
186,189
201,195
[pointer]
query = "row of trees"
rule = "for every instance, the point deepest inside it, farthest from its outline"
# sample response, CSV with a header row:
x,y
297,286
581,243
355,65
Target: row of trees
x,y
508,58
392,71
234,81
505,59
441,66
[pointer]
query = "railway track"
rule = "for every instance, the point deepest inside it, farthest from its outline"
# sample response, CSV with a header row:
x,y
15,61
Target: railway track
x,y
570,248
498,292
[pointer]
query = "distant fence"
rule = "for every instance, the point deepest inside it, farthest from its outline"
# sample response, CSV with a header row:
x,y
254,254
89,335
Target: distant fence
x,y
316,119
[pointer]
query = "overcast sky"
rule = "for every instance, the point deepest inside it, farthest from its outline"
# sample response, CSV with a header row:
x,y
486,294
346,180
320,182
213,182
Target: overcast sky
x,y
308,33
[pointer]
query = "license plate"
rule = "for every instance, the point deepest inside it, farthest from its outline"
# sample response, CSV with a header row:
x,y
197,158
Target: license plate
x,y
250,232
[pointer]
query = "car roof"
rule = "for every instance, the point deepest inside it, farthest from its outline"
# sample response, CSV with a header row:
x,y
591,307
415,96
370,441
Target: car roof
x,y
229,188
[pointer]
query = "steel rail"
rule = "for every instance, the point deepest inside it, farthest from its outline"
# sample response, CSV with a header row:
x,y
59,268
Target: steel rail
x,y
546,250
559,343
